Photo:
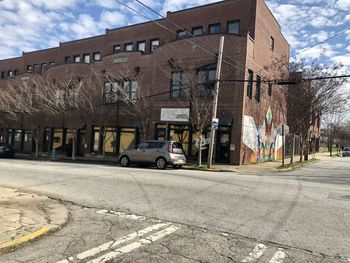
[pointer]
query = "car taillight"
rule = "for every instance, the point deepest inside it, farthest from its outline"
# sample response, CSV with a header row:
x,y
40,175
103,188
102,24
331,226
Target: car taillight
x,y
170,148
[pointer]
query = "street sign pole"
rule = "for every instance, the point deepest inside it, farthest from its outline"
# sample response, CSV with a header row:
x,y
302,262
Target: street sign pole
x,y
215,101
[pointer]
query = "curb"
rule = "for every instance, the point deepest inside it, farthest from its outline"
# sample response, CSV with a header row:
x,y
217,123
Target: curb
x,y
5,246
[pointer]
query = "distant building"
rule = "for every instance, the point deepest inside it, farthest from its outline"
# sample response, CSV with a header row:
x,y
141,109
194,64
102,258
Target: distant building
x,y
157,56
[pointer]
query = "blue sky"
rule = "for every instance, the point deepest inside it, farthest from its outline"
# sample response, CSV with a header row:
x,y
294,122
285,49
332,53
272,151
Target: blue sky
x,y
28,25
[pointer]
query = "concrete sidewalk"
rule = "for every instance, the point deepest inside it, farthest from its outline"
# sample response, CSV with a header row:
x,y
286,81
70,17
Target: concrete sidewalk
x,y
264,167
25,217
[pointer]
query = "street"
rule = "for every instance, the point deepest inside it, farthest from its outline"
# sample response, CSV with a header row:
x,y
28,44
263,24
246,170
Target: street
x,y
148,215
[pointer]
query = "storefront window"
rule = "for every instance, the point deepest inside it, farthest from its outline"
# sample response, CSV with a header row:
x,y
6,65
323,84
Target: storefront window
x,y
57,139
17,140
28,141
180,133
110,140
127,139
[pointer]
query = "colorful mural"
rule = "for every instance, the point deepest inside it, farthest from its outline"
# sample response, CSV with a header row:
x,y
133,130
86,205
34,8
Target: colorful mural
x,y
263,143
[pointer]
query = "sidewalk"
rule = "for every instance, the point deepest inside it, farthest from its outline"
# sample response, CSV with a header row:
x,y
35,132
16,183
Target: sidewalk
x,y
25,217
263,167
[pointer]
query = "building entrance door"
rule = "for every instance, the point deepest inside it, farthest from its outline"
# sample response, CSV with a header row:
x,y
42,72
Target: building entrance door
x,y
223,145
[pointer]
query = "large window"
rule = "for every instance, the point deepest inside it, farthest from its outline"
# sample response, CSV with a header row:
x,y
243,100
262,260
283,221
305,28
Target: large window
x,y
126,90
206,82
110,92
250,84
179,85
130,90
233,27
116,48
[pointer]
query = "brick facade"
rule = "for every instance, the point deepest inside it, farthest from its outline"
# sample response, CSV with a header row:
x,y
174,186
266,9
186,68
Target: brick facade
x,y
250,49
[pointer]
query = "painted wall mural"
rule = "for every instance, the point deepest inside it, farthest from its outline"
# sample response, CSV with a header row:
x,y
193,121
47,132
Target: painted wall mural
x,y
262,143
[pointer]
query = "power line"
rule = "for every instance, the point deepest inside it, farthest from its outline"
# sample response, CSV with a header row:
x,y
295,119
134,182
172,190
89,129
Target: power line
x,y
184,38
184,30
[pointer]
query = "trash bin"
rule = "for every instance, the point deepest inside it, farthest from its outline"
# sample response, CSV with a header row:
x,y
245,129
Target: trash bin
x,y
53,155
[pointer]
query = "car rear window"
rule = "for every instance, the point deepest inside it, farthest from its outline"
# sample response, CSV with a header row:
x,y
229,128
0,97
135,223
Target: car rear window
x,y
177,147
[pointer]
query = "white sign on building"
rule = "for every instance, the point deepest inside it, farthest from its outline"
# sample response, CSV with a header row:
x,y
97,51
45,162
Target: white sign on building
x,y
176,115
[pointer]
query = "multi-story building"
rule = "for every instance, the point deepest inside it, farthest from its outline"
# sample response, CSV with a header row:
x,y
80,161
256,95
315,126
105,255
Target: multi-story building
x,y
159,58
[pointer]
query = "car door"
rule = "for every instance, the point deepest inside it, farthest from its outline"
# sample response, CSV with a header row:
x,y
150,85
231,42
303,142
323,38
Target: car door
x,y
139,155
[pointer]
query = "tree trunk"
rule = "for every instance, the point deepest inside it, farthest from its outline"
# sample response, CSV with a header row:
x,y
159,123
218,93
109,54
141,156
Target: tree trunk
x,y
331,147
292,149
73,145
200,151
301,148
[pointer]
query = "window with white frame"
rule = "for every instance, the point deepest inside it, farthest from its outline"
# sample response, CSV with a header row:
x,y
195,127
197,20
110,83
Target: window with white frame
x,y
86,58
97,56
129,47
154,44
141,46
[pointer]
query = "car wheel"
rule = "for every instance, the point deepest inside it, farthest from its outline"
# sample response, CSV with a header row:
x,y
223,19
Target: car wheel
x,y
161,163
177,166
124,161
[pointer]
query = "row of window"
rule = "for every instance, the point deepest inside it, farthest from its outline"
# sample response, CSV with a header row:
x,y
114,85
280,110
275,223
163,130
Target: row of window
x,y
233,27
9,73
257,87
85,58
140,46
37,68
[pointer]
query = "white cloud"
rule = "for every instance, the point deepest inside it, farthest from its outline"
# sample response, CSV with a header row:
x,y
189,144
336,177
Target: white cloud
x,y
344,59
345,4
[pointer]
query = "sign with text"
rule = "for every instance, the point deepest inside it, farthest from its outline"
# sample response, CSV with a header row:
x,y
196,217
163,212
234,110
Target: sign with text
x,y
176,115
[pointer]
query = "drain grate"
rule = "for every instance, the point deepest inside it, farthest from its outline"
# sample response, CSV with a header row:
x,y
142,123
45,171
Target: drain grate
x,y
339,196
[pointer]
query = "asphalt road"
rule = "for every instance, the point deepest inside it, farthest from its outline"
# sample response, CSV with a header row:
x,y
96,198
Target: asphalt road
x,y
299,216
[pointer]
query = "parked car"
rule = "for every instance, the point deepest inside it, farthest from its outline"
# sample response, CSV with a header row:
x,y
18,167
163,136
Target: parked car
x,y
160,153
6,151
346,151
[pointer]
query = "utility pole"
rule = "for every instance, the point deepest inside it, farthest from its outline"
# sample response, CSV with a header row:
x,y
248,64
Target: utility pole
x,y
215,101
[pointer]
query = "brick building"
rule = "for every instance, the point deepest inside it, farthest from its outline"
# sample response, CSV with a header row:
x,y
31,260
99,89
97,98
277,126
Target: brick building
x,y
158,58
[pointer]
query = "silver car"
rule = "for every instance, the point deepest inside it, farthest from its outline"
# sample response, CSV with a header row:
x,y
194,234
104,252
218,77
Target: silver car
x,y
346,151
160,153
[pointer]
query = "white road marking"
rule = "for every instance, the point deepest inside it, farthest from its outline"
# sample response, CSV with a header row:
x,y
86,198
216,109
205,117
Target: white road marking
x,y
127,216
111,244
135,245
278,257
256,254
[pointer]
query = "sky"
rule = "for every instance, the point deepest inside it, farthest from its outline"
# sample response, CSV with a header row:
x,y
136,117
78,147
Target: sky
x,y
28,25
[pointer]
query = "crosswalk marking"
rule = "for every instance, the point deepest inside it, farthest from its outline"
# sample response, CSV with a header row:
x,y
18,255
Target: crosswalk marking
x,y
111,244
135,245
256,254
278,256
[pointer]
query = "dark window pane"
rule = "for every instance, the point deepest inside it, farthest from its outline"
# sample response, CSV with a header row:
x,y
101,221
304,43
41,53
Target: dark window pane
x,y
214,29
233,27
197,31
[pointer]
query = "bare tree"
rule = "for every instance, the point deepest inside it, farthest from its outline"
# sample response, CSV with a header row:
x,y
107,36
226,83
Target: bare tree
x,y
315,92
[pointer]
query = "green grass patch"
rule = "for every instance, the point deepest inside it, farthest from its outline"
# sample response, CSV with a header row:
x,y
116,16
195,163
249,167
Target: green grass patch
x,y
296,165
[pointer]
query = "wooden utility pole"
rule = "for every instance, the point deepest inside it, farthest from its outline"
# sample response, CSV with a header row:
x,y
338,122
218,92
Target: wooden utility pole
x,y
215,101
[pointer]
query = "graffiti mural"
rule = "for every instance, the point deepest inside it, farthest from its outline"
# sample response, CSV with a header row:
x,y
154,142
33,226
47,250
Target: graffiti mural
x,y
262,143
